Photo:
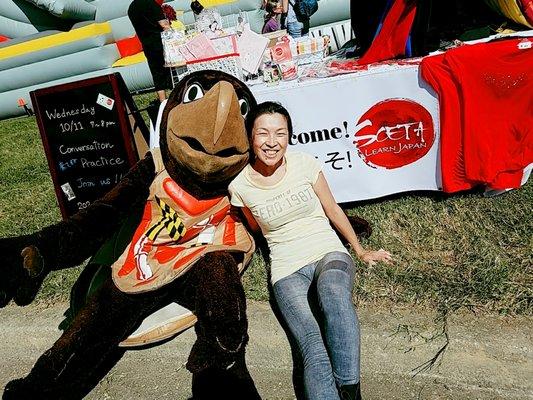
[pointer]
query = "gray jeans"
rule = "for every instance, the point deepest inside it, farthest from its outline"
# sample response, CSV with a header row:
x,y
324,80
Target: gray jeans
x,y
328,340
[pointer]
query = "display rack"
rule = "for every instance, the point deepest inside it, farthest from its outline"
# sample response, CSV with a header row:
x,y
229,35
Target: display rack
x,y
229,63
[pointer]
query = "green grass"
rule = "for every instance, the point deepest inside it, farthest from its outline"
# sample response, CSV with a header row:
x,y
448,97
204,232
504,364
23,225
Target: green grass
x,y
450,251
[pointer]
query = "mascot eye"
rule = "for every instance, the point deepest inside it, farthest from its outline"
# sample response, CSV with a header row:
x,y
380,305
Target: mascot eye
x,y
244,107
194,92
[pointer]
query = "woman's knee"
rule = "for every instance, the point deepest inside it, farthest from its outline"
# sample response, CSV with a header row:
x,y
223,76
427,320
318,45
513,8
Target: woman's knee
x,y
290,294
335,283
336,260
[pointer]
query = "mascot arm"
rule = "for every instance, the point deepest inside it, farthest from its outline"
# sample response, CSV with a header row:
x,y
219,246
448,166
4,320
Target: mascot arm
x,y
70,242
25,260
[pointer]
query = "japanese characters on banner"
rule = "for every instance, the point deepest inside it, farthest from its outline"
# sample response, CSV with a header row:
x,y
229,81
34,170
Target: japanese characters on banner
x,y
376,132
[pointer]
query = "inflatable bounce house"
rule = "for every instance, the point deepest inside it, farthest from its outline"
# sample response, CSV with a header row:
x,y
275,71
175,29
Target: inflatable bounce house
x,y
49,42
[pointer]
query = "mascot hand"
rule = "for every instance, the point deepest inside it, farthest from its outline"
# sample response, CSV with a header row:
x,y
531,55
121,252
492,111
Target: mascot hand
x,y
22,270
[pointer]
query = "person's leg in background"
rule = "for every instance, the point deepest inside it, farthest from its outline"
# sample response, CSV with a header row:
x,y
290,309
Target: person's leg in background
x,y
160,74
422,40
305,28
334,279
291,294
365,16
295,28
161,95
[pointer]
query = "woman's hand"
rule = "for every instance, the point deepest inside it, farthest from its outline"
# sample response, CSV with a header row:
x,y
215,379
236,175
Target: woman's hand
x,y
371,257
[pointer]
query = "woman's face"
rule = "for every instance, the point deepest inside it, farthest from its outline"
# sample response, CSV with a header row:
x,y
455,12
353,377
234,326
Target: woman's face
x,y
270,138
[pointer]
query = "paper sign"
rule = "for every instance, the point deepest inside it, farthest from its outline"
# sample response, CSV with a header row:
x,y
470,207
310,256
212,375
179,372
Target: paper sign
x,y
251,48
187,55
200,47
105,101
67,189
225,45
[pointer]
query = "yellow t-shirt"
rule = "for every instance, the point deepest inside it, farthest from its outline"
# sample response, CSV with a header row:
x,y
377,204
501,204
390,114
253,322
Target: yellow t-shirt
x,y
289,214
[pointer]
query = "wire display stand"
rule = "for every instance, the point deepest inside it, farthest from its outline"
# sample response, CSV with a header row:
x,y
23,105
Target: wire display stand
x,y
232,26
228,63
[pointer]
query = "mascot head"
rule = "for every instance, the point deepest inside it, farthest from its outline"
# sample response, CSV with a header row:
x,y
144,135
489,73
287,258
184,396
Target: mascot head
x,y
203,139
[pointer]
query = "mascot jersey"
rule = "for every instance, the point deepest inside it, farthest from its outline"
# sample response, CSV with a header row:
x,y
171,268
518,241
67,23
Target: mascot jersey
x,y
486,99
175,231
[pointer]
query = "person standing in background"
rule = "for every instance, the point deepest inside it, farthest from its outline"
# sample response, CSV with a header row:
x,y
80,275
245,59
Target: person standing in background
x,y
196,7
273,9
149,21
294,27
207,20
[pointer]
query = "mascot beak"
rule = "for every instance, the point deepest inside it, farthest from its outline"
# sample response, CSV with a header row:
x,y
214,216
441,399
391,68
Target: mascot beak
x,y
226,96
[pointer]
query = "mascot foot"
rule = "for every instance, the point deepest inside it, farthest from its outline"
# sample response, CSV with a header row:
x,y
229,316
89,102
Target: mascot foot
x,y
21,389
27,389
216,351
224,384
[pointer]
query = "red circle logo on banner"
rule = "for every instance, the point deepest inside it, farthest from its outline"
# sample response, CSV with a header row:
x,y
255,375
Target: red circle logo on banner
x,y
394,133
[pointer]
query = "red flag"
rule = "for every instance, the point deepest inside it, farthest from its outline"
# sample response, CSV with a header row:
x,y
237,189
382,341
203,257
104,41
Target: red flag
x,y
392,38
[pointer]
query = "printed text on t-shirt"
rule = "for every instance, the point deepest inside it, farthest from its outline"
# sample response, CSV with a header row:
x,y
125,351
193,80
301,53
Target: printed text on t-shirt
x,y
290,204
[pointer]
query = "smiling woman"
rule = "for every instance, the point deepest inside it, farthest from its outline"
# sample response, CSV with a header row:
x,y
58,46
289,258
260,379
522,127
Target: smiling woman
x,y
269,143
286,196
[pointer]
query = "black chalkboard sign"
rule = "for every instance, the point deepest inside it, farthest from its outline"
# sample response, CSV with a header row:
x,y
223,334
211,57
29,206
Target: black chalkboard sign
x,y
87,137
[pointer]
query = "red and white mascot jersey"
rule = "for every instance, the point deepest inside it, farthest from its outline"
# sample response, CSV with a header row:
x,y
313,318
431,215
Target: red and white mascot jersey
x,y
175,231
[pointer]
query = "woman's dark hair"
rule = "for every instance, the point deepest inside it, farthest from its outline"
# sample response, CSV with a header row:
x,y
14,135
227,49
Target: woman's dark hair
x,y
196,7
270,6
268,107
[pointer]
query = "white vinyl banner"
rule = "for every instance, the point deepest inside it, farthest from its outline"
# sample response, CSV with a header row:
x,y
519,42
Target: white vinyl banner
x,y
376,132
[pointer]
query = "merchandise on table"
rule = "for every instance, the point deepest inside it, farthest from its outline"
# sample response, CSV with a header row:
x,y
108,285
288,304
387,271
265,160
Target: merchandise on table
x,y
281,52
225,44
209,21
237,50
251,48
309,50
172,41
301,58
289,70
313,71
212,43
271,75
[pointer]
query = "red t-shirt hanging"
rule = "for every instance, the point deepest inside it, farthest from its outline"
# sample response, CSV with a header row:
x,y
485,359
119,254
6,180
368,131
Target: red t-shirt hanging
x,y
437,73
494,86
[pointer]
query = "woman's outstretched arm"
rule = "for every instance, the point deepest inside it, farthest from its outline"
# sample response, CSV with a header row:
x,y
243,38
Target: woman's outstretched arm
x,y
339,219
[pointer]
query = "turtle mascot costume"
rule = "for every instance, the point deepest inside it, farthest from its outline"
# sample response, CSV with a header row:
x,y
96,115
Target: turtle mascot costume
x,y
187,248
